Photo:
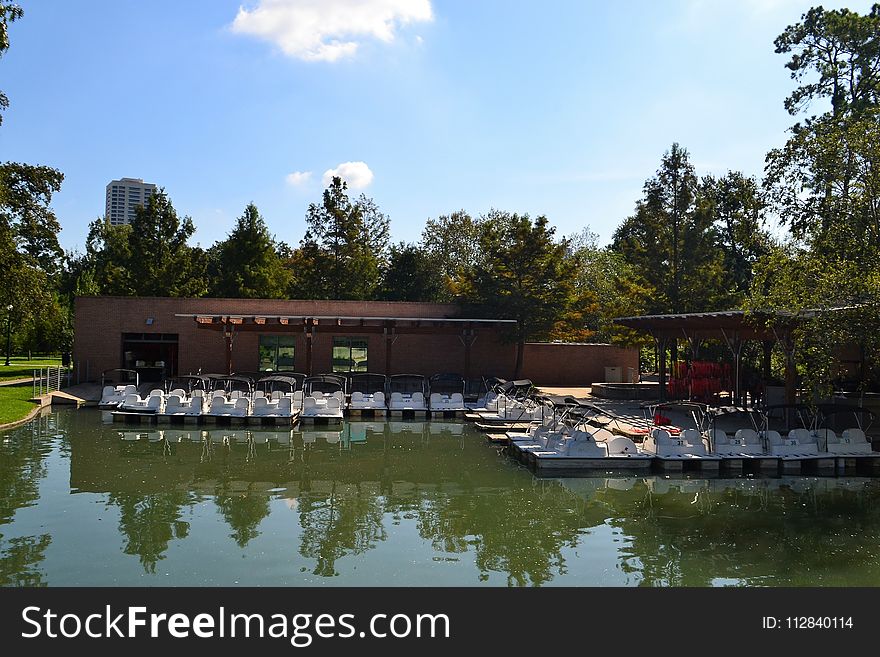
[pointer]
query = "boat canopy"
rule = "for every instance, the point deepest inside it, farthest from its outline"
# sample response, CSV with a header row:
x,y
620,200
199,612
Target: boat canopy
x,y
188,382
366,383
863,417
127,376
446,384
324,383
280,382
408,383
235,382
518,389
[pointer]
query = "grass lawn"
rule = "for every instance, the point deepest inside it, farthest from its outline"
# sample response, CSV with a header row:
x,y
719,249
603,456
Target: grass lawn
x,y
20,367
14,404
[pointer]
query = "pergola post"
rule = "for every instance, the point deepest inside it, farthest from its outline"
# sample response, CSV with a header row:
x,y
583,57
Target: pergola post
x,y
735,344
309,331
468,337
661,352
390,337
228,337
767,359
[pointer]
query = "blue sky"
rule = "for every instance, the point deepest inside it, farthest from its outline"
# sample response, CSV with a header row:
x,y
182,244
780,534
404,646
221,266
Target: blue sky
x,y
561,108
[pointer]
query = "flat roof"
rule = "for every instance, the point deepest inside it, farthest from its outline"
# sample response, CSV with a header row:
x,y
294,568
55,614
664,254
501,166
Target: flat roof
x,y
327,323
753,325
221,316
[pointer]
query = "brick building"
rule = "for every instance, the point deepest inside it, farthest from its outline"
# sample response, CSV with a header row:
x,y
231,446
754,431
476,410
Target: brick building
x,y
165,336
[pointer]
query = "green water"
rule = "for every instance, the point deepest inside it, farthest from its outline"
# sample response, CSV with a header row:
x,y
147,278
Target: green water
x,y
401,504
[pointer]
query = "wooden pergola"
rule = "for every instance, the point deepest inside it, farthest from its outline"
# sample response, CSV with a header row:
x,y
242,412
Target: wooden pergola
x,y
390,327
733,328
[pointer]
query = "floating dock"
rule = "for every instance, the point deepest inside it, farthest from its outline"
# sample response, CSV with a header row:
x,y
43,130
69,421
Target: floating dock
x,y
805,464
129,417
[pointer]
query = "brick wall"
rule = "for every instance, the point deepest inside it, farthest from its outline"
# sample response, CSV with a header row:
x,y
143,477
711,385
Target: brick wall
x,y
574,364
101,321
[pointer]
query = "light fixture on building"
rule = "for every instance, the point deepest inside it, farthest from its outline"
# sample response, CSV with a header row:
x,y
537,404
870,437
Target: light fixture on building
x,y
149,321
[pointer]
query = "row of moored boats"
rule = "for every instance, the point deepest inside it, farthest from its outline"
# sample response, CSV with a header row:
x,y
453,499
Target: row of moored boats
x,y
289,394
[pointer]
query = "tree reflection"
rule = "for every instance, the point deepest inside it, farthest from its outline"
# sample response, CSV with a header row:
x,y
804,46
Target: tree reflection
x,y
346,521
243,512
22,465
149,523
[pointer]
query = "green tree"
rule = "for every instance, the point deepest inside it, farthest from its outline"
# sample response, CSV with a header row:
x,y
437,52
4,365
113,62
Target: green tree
x,y
247,264
344,248
835,55
824,184
672,242
609,287
452,242
736,209
9,13
162,263
524,274
25,197
411,275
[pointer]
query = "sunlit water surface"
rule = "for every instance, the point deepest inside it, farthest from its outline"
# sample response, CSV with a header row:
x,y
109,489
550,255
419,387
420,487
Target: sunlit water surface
x,y
83,502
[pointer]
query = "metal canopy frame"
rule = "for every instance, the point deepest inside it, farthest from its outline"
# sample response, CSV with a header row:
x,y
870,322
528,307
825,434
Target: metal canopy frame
x,y
733,328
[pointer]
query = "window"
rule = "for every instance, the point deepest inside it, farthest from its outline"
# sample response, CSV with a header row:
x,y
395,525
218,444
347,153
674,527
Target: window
x,y
349,355
276,352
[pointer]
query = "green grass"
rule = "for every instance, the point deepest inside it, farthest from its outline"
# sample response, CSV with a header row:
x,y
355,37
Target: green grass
x,y
14,404
22,368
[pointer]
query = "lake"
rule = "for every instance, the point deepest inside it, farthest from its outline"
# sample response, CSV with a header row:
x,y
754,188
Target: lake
x,y
85,502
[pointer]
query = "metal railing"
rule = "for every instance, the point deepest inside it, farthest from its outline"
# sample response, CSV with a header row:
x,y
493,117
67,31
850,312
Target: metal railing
x,y
50,379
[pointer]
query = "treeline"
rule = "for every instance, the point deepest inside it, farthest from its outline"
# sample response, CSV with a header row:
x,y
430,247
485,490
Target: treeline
x,y
694,242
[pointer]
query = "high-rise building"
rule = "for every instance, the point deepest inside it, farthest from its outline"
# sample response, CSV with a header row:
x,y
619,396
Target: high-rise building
x,y
123,196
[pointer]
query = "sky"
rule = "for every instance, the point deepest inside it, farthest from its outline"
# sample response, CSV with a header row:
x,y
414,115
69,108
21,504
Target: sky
x,y
556,107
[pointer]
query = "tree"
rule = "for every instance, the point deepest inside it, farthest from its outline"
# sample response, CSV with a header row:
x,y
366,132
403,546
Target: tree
x,y
736,210
247,264
453,243
410,275
9,13
824,184
25,197
608,287
671,243
524,274
162,264
344,248
840,48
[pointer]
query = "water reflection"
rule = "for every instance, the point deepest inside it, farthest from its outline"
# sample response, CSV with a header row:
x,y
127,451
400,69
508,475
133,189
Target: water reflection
x,y
21,469
407,503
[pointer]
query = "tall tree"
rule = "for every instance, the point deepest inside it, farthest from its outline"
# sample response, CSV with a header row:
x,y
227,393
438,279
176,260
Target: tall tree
x,y
9,13
247,264
835,55
825,187
162,263
524,274
453,243
735,207
670,242
25,197
411,275
343,250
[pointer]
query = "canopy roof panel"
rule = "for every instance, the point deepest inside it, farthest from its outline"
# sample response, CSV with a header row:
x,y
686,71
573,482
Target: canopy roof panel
x,y
745,325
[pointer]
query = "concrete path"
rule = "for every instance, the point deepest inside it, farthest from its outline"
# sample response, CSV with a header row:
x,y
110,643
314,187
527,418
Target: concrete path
x,y
15,382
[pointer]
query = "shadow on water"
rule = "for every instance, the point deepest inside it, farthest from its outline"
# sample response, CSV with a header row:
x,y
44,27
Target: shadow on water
x,y
403,503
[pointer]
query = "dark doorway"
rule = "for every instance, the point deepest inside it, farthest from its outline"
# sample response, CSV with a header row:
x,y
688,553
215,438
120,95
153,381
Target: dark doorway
x,y
152,355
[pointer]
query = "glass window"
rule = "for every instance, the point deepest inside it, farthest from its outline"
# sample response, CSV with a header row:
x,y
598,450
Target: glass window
x,y
349,355
276,352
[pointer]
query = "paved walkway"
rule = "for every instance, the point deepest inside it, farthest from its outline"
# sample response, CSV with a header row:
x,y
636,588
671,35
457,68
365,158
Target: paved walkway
x,y
15,382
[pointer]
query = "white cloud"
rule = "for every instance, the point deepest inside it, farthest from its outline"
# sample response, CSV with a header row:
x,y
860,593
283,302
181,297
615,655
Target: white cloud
x,y
298,178
327,30
356,174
